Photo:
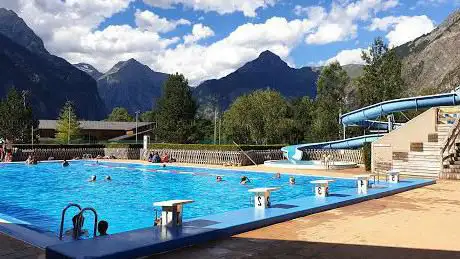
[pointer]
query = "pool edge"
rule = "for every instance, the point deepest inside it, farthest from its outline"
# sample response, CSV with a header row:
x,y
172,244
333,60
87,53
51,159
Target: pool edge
x,y
74,249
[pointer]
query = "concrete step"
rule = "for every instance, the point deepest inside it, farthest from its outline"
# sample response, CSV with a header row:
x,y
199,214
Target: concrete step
x,y
451,170
419,170
449,176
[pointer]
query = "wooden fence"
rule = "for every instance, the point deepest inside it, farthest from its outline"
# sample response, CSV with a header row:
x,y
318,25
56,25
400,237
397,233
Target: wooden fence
x,y
217,157
56,153
189,156
350,155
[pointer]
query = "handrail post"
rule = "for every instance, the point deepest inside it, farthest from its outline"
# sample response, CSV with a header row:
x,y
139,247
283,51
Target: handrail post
x,y
61,228
95,218
245,153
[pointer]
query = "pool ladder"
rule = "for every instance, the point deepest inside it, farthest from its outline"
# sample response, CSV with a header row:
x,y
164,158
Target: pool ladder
x,y
79,216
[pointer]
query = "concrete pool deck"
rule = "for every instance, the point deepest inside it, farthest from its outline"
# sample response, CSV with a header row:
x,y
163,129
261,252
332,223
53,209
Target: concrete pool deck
x,y
364,226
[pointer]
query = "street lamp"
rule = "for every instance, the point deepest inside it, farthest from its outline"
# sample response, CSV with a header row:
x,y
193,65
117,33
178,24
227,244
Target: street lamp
x,y
137,123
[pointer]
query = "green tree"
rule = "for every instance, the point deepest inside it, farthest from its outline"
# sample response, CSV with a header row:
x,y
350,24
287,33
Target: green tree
x,y
16,120
303,111
329,102
176,111
120,114
381,79
258,118
148,116
68,127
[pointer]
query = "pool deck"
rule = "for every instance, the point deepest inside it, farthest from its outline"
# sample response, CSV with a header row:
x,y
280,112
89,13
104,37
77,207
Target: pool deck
x,y
360,229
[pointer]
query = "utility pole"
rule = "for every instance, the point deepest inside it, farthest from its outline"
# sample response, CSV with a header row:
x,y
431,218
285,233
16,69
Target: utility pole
x,y
68,131
137,122
215,125
220,127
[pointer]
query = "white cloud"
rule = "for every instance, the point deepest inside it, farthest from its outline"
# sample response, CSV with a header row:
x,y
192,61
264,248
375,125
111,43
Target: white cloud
x,y
348,56
147,20
341,21
71,29
403,28
200,62
199,32
247,7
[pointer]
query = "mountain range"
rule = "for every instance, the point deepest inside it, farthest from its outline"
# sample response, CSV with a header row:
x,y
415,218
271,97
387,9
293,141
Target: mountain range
x,y
431,64
267,71
50,81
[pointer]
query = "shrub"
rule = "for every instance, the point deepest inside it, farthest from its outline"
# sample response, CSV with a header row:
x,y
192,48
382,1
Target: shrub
x,y
367,153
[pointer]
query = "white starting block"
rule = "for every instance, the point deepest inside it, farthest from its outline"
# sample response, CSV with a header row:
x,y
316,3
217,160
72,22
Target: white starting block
x,y
171,211
393,176
262,196
363,182
321,187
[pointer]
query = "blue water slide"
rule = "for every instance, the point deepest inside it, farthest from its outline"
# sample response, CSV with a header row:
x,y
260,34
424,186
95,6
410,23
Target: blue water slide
x,y
364,117
295,152
371,112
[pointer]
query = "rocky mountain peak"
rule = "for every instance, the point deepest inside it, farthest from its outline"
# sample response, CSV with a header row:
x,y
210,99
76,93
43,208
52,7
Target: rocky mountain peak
x,y
266,61
14,27
89,69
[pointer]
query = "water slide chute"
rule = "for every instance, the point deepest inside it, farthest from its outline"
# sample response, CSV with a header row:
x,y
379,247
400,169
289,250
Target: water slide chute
x,y
364,117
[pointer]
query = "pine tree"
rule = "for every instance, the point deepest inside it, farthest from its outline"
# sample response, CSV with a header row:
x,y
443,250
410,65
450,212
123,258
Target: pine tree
x,y
16,120
176,111
330,102
68,127
381,79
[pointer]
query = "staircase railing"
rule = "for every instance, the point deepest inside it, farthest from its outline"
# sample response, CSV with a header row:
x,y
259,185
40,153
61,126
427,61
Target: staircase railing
x,y
448,146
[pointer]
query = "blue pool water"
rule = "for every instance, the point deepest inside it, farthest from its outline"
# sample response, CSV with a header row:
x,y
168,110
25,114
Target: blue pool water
x,y
37,194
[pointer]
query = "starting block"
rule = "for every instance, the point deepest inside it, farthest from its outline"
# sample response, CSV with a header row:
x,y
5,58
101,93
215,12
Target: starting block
x,y
393,176
363,182
262,196
171,212
321,187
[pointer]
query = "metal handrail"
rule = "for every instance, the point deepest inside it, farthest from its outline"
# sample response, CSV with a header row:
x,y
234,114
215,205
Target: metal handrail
x,y
245,153
95,218
61,228
451,137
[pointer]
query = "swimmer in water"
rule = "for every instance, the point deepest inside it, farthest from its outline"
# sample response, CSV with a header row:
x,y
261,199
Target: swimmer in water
x,y
92,179
219,178
291,180
108,178
65,163
244,180
277,176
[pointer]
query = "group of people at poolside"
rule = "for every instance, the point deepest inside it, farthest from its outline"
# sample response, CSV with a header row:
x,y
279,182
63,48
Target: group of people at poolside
x,y
156,158
6,151
32,160
78,232
244,179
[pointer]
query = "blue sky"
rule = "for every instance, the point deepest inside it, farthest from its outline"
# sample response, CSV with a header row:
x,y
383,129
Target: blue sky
x,y
210,38
304,54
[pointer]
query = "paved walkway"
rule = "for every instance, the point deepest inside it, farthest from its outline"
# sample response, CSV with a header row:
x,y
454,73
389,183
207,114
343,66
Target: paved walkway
x,y
11,248
422,223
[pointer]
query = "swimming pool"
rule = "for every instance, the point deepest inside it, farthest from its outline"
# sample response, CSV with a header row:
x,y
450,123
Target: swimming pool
x,y
37,194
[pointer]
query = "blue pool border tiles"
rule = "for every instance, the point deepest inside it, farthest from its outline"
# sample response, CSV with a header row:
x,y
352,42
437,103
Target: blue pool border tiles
x,y
154,240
